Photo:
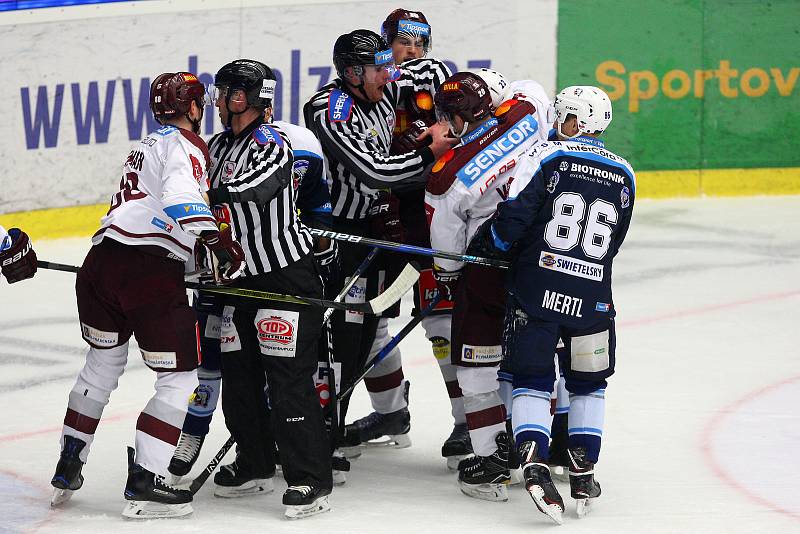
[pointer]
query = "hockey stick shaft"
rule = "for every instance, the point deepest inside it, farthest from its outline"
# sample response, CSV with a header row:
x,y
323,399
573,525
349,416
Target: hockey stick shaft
x,y
198,482
56,266
409,249
384,352
351,282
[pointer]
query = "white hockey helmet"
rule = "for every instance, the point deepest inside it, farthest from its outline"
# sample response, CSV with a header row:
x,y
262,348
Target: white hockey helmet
x,y
499,88
590,105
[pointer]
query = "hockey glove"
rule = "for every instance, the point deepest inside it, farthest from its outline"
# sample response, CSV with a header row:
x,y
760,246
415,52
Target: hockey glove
x,y
18,261
330,267
385,218
228,252
446,281
407,141
484,243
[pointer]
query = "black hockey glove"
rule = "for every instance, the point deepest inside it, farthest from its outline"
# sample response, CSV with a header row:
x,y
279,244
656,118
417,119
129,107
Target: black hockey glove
x,y
330,269
407,141
446,282
384,218
18,261
483,244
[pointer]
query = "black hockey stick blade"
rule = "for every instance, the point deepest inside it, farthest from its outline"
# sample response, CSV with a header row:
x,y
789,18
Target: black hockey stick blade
x,y
198,482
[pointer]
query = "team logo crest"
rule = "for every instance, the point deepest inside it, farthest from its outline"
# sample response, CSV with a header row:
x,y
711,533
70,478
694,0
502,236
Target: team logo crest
x,y
625,197
228,168
553,182
564,166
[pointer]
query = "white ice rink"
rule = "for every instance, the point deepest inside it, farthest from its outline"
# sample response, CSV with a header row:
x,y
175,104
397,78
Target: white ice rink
x,y
702,427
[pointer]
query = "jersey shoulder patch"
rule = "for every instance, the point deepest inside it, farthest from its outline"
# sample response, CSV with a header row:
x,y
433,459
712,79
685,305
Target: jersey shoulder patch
x,y
264,134
340,106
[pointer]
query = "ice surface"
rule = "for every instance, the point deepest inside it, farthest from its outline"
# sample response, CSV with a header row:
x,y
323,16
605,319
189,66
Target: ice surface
x,y
702,426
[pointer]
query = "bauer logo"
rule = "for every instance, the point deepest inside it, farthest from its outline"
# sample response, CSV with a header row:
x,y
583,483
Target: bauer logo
x,y
275,329
506,144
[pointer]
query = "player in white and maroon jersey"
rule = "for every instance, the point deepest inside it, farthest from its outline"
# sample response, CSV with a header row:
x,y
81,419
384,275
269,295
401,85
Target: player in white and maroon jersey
x,y
464,188
131,283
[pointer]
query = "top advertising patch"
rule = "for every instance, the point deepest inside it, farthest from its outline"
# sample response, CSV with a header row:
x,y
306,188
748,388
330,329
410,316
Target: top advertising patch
x,y
340,106
264,134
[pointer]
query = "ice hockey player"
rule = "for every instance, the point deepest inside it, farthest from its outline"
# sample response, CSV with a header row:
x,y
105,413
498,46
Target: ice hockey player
x,y
132,283
251,182
464,188
410,37
568,211
17,257
354,117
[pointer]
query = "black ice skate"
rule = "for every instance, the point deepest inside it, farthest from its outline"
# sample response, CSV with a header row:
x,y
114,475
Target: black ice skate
x,y
513,458
185,456
305,501
68,477
583,487
239,480
339,467
486,477
558,459
395,426
539,483
457,446
150,497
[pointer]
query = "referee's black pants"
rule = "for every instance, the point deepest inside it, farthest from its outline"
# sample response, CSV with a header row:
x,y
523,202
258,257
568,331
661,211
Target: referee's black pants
x,y
281,339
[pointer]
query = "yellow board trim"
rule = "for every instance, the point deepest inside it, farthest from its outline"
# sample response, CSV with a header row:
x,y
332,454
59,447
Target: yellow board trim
x,y
79,221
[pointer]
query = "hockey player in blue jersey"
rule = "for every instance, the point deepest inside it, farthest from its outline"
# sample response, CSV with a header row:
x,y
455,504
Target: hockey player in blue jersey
x,y
567,214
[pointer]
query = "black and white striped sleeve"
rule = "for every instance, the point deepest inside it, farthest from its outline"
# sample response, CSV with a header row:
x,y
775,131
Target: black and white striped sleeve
x,y
268,172
424,74
352,144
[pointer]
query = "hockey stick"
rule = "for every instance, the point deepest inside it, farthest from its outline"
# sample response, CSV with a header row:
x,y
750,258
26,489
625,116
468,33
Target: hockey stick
x,y
409,249
351,282
404,282
198,482
384,352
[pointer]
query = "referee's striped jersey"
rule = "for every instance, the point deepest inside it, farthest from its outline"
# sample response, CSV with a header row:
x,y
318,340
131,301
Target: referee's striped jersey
x,y
356,136
251,182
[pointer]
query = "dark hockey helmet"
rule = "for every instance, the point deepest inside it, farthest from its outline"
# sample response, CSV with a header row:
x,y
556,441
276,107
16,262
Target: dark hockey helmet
x,y
464,94
360,47
253,77
172,93
411,24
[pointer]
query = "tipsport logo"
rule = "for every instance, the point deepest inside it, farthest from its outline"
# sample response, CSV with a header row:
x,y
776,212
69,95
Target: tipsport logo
x,y
414,28
383,57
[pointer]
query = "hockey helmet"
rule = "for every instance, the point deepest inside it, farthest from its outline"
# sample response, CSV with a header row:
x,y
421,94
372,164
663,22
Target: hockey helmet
x,y
410,24
254,78
590,105
464,94
499,88
360,48
172,93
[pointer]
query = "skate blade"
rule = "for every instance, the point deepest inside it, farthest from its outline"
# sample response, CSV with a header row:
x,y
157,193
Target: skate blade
x,y
351,453
300,511
453,461
397,441
485,492
583,507
339,477
60,496
553,511
517,477
155,510
257,486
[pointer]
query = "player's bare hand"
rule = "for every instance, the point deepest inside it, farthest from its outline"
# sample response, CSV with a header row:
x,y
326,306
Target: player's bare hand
x,y
441,141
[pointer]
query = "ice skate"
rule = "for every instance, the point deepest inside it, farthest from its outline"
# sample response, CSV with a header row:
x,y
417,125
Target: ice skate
x,y
486,477
238,480
68,478
369,430
305,501
185,456
583,487
457,446
340,466
150,497
539,483
558,460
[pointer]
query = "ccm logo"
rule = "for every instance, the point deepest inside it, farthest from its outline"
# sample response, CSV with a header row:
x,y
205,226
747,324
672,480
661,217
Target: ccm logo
x,y
18,255
275,329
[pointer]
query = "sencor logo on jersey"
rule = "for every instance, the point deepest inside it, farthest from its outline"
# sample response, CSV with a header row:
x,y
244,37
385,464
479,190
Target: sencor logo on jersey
x,y
571,266
340,106
504,145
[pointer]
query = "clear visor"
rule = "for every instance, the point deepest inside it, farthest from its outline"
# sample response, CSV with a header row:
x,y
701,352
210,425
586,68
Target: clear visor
x,y
385,73
213,93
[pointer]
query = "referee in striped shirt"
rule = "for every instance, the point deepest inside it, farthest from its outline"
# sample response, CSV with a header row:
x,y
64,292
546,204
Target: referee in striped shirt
x,y
251,183
354,118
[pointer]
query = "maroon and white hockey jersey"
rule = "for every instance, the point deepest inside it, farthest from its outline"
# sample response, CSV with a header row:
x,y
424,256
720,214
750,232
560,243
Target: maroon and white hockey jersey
x,y
160,201
468,182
